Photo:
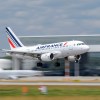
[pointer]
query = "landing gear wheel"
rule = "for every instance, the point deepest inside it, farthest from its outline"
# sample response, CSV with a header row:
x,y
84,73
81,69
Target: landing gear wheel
x,y
39,64
57,64
76,61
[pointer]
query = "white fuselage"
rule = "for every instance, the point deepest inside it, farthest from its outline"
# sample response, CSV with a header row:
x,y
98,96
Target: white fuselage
x,y
62,49
45,52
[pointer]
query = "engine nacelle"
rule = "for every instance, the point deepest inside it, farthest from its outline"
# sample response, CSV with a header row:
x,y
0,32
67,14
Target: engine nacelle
x,y
47,57
74,58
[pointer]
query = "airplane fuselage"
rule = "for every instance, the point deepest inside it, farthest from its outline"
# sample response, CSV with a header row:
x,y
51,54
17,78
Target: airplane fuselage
x,y
63,49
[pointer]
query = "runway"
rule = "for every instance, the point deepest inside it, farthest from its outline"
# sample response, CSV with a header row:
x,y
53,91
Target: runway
x,y
51,83
75,81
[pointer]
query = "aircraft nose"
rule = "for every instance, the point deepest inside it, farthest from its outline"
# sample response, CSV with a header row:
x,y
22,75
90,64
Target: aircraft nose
x,y
86,48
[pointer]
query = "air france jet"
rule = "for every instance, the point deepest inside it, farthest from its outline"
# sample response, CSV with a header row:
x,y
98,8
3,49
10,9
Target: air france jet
x,y
71,50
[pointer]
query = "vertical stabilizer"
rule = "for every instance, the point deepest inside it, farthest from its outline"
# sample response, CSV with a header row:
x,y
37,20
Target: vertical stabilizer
x,y
13,40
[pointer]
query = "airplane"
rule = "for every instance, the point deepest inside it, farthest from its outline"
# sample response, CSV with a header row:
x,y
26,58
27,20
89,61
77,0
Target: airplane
x,y
16,74
70,50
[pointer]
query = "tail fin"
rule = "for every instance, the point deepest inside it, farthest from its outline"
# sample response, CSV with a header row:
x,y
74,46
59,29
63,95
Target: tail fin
x,y
13,40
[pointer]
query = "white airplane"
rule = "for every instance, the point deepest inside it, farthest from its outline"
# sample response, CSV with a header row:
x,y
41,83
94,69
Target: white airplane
x,y
15,74
71,50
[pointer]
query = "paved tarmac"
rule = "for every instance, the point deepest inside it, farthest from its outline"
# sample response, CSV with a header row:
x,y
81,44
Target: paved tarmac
x,y
63,78
51,83
82,81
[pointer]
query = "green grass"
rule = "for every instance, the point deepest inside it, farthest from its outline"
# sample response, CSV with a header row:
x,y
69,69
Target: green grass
x,y
52,91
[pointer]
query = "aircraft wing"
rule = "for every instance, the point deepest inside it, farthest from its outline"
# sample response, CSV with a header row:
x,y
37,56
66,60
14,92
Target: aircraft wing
x,y
12,52
28,53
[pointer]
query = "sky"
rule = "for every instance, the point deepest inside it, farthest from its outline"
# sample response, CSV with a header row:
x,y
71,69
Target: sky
x,y
49,17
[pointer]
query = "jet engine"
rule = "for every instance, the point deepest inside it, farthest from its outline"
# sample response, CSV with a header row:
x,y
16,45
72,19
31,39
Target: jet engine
x,y
47,57
74,58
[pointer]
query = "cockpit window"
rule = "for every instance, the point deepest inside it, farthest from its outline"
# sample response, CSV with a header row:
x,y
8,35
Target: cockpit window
x,y
80,44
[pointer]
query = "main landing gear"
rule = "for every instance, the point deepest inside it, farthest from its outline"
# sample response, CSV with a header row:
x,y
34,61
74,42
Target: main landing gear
x,y
56,64
39,64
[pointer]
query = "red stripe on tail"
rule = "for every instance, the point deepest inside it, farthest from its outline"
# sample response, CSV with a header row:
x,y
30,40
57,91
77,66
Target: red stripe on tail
x,y
11,43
